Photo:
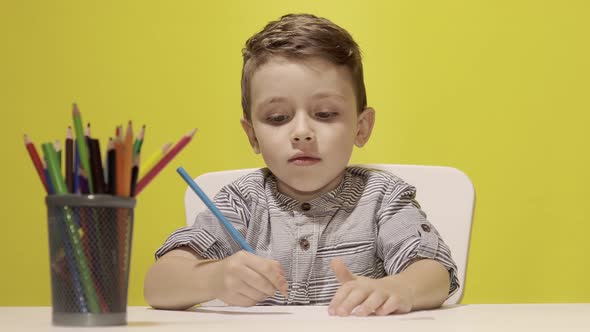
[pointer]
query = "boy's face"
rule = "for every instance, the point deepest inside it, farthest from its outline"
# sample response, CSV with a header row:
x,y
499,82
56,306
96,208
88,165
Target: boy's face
x,y
304,122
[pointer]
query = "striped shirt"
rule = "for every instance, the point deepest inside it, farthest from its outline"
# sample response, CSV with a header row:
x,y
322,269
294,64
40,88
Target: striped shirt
x,y
371,221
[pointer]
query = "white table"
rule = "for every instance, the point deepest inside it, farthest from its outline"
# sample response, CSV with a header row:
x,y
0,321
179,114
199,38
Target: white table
x,y
489,317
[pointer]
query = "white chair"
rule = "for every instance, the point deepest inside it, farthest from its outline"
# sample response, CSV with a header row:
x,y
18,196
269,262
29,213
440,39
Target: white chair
x,y
445,193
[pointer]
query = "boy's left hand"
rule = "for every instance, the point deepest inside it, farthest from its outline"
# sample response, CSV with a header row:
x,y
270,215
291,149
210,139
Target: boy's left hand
x,y
380,296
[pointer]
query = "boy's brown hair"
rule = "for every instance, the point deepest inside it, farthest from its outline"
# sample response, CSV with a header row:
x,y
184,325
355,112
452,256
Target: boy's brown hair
x,y
300,36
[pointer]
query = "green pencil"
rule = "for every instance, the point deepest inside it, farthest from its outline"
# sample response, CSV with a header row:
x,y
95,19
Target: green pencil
x,y
60,188
82,146
138,142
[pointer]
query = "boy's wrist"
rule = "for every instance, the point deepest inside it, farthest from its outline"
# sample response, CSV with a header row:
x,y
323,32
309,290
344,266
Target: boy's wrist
x,y
401,287
209,278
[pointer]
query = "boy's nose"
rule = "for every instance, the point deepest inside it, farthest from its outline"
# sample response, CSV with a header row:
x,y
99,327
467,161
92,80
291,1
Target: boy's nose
x,y
298,139
302,132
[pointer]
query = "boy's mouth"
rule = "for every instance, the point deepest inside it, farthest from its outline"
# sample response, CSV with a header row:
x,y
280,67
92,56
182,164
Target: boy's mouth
x,y
304,161
301,159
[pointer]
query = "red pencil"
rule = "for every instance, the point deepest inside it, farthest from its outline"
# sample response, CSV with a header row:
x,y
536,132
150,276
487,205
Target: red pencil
x,y
164,161
36,161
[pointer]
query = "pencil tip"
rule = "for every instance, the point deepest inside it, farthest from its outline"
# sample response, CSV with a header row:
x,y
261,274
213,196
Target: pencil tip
x,y
192,133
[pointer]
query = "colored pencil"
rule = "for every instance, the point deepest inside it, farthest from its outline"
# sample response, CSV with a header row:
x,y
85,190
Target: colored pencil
x,y
83,181
76,170
153,159
111,183
82,146
228,226
118,166
72,230
69,169
123,226
50,190
74,274
36,161
127,161
91,226
57,147
96,166
143,182
134,174
138,141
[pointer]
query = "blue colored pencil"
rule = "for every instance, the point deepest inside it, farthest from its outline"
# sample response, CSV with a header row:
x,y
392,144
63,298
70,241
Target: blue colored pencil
x,y
50,190
232,231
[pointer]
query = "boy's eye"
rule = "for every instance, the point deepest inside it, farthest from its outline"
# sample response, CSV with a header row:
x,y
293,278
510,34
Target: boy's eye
x,y
277,119
325,115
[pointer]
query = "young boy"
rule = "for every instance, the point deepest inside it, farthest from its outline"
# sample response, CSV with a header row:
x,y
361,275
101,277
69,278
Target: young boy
x,y
324,233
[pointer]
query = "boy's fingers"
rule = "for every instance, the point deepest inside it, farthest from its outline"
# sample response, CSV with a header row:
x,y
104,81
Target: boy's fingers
x,y
341,271
354,298
239,299
374,301
270,270
256,281
340,296
390,306
252,293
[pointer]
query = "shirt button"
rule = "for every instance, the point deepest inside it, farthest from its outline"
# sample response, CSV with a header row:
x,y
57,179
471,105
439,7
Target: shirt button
x,y
425,227
304,244
305,206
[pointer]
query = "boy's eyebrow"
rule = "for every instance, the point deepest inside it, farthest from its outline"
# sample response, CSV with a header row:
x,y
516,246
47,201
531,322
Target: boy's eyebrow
x,y
318,95
273,100
327,94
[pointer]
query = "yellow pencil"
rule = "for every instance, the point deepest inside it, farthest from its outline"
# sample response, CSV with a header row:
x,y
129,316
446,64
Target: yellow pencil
x,y
152,160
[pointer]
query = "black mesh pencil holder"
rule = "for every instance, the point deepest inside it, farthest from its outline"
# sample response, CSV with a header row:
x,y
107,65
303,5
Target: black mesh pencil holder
x,y
89,251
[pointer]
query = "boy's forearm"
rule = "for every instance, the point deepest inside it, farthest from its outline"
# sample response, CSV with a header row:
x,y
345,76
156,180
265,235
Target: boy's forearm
x,y
178,283
429,282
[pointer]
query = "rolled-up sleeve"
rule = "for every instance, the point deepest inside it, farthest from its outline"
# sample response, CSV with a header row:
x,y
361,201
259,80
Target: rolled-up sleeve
x,y
207,236
404,234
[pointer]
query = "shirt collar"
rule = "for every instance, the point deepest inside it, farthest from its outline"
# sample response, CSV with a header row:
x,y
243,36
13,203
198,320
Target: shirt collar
x,y
336,198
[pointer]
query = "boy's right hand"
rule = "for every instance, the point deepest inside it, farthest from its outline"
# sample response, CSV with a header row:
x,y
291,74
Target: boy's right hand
x,y
246,279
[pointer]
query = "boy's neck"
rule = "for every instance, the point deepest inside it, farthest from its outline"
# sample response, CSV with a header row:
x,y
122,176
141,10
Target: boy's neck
x,y
306,196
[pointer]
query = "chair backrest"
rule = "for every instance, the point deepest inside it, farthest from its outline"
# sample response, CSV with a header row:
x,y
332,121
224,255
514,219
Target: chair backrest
x,y
445,193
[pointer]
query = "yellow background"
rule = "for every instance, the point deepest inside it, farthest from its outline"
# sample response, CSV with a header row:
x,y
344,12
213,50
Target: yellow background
x,y
498,89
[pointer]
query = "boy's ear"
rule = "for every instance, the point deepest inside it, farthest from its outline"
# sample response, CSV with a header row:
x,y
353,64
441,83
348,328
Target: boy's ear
x,y
365,122
249,130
